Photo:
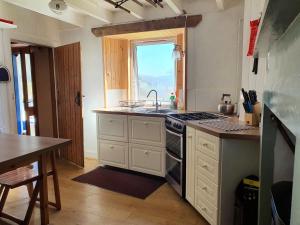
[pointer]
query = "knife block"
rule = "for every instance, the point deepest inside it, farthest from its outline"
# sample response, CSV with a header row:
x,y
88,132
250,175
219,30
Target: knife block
x,y
253,119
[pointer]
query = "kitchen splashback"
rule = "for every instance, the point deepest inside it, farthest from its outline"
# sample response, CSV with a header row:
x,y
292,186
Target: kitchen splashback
x,y
282,97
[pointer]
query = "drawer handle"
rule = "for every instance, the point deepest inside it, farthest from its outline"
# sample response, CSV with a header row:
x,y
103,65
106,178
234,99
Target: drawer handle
x,y
204,209
204,188
205,166
146,124
190,136
110,121
205,145
111,147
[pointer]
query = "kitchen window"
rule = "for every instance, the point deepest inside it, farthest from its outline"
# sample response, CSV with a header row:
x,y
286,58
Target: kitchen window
x,y
153,68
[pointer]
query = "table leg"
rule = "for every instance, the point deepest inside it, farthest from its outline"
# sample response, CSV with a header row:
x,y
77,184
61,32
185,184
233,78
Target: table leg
x,y
55,182
44,190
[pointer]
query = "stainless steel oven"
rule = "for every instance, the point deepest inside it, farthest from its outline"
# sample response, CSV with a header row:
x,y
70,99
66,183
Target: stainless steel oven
x,y
175,160
175,141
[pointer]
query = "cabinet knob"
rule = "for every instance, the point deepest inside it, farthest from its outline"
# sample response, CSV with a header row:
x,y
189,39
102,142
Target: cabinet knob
x,y
204,188
111,147
145,123
110,121
190,136
205,166
204,209
146,152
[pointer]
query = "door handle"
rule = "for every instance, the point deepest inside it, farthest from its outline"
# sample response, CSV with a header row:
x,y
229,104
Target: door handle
x,y
78,98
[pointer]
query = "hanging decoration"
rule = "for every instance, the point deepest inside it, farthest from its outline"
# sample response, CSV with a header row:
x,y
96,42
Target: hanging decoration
x,y
253,33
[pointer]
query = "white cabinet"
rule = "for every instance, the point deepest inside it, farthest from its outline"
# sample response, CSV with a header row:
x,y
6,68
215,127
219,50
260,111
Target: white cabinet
x,y
190,171
147,130
132,142
113,153
112,127
147,159
214,169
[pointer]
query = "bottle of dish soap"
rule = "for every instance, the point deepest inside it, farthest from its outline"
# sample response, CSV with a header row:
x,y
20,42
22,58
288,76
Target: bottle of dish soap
x,y
173,103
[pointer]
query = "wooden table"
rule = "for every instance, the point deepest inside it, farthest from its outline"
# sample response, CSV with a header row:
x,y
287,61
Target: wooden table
x,y
17,151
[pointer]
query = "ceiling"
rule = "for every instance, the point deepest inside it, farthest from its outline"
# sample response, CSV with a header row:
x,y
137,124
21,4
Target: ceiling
x,y
79,11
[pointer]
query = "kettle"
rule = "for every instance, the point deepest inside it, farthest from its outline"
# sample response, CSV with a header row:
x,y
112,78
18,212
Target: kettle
x,y
225,105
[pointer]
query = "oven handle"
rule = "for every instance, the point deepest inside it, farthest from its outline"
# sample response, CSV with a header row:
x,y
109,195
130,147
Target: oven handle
x,y
176,134
178,160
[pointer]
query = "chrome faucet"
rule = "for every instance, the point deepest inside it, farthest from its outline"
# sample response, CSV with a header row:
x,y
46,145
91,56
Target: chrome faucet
x,y
156,102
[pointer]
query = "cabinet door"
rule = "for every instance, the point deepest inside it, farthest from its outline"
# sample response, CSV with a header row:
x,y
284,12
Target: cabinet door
x,y
112,127
207,166
113,153
208,144
147,159
190,165
206,209
147,130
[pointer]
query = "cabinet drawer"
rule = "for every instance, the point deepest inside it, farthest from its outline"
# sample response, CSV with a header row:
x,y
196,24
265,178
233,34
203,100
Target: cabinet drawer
x,y
147,130
147,159
208,167
207,189
113,153
112,127
208,144
207,210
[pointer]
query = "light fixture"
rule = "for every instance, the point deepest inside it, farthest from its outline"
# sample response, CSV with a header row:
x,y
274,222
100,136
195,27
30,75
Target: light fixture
x,y
58,6
178,53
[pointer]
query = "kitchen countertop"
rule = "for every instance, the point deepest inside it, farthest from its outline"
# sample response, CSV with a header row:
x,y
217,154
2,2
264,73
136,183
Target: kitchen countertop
x,y
144,111
253,134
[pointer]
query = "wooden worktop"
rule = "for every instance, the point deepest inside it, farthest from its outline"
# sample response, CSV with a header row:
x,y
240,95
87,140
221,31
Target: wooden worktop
x,y
134,111
253,134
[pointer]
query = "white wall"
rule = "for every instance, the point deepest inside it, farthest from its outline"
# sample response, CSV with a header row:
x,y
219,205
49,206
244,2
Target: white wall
x,y
92,82
214,65
252,11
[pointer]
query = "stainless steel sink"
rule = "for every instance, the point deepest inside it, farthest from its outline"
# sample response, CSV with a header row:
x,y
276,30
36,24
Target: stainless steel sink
x,y
161,111
153,110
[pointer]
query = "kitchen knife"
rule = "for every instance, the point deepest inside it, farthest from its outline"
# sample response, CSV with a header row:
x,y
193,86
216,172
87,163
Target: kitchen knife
x,y
245,95
253,97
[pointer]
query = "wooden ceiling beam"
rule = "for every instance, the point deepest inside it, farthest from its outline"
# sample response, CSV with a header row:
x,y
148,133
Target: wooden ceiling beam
x,y
161,24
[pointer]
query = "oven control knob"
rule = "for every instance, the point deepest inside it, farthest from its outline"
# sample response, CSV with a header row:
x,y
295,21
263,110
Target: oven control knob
x,y
179,126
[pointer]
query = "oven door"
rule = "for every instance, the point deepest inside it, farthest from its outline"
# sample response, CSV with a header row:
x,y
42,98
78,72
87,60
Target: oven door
x,y
174,172
174,143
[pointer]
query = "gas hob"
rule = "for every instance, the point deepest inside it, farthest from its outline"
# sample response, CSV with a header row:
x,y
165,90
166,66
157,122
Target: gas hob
x,y
176,122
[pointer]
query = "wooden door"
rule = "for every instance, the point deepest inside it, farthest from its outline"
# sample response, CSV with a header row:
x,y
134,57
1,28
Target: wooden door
x,y
68,78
